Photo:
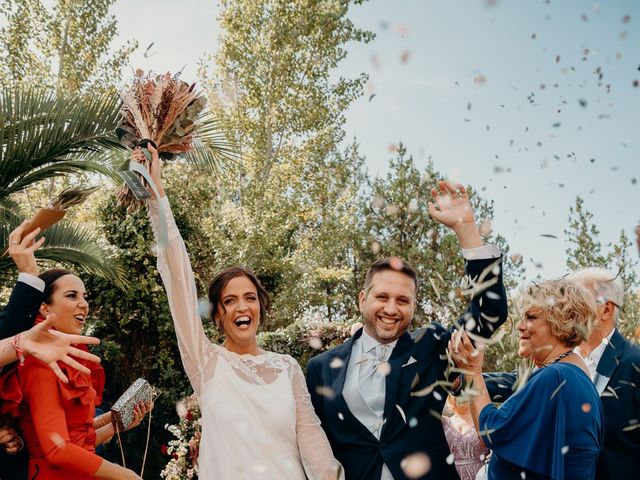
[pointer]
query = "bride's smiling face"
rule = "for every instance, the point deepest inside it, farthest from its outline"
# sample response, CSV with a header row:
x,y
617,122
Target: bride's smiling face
x,y
238,311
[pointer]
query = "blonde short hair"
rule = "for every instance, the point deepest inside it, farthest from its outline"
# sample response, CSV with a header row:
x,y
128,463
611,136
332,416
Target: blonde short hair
x,y
569,307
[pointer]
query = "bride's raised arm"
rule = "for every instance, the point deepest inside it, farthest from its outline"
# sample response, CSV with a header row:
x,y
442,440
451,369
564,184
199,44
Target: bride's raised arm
x,y
174,266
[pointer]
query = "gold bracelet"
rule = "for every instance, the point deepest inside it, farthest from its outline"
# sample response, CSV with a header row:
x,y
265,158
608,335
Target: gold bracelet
x,y
101,421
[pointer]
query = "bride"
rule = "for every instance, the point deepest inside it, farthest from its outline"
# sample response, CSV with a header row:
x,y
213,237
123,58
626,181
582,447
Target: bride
x,y
257,418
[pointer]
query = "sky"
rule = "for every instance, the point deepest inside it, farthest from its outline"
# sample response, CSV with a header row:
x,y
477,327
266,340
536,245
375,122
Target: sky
x,y
531,102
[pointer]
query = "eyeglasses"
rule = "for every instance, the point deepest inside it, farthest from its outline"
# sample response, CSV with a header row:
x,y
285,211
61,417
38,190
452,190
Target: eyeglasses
x,y
604,301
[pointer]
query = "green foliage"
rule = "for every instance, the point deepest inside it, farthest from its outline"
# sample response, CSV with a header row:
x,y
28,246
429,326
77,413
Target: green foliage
x,y
67,45
397,222
586,250
305,339
295,191
44,136
138,339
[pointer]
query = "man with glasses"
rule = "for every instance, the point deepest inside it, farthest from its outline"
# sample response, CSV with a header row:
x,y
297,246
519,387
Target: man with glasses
x,y
614,364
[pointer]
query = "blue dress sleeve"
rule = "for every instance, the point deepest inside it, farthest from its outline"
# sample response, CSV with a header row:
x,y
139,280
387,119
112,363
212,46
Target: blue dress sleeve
x,y
528,430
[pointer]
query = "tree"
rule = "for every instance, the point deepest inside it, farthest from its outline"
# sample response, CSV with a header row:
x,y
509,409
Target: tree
x,y
586,250
397,222
50,55
44,135
66,46
272,88
135,324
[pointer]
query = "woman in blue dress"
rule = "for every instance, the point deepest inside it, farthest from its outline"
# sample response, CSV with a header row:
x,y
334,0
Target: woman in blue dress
x,y
552,428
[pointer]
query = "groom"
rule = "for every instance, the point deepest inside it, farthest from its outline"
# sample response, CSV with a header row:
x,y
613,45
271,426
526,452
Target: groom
x,y
377,394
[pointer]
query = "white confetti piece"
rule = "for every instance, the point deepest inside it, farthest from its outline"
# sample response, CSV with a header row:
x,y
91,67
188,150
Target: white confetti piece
x,y
416,465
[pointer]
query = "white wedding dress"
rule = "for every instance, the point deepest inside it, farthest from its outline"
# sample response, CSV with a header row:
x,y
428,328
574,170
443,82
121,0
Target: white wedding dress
x,y
257,418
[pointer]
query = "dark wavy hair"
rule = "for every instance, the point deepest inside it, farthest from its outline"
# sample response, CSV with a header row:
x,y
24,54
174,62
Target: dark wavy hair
x,y
50,278
394,264
223,278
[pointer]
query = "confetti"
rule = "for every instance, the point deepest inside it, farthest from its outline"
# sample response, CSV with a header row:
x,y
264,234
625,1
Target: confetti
x,y
383,368
480,80
315,343
325,391
416,465
586,407
402,414
396,263
336,363
485,228
558,389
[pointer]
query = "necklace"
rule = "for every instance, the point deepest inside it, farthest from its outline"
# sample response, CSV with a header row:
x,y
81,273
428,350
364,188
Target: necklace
x,y
560,357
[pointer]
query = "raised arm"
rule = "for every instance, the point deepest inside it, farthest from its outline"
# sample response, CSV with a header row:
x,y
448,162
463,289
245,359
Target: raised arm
x,y
175,269
487,309
26,297
315,451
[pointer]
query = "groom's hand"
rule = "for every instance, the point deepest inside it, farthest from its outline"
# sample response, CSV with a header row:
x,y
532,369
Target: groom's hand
x,y
454,210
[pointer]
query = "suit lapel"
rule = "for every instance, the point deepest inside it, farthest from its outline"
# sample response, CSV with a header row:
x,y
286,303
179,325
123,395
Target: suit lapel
x,y
343,353
610,359
393,379
338,376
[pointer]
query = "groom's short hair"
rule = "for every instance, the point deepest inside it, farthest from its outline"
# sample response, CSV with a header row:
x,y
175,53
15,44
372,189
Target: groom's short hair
x,y
390,263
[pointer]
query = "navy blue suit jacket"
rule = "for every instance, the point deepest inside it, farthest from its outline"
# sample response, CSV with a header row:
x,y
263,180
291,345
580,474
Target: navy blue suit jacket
x,y
20,313
621,402
412,409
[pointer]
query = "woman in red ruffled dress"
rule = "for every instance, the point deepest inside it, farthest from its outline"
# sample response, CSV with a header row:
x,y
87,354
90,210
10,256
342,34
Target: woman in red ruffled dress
x,y
56,419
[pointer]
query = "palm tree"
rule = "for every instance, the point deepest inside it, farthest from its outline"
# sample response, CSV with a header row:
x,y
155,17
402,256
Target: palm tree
x,y
44,135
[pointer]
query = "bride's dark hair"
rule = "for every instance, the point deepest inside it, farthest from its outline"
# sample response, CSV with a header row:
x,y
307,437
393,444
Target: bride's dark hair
x,y
220,281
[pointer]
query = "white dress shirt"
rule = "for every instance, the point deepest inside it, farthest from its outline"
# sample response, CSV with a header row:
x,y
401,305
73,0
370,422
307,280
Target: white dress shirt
x,y
592,361
31,280
359,400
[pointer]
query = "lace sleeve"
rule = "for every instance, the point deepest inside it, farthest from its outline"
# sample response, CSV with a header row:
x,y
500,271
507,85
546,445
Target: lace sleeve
x,y
315,450
196,350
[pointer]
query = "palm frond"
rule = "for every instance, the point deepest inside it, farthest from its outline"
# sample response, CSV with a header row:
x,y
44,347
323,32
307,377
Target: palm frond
x,y
58,169
212,149
39,128
71,245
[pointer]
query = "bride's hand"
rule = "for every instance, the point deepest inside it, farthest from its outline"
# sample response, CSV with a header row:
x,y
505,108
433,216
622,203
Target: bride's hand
x,y
155,167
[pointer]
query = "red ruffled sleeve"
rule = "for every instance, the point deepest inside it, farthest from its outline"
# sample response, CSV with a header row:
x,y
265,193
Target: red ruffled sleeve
x,y
59,421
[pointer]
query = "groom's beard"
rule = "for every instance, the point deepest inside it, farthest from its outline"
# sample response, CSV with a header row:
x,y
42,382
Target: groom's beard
x,y
385,329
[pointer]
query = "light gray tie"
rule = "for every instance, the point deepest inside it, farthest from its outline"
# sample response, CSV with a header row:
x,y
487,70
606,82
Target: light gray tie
x,y
372,379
